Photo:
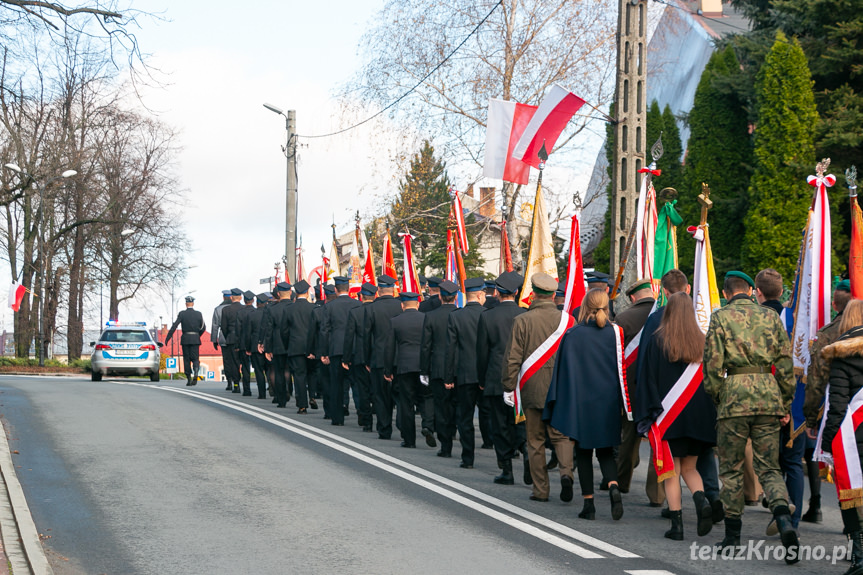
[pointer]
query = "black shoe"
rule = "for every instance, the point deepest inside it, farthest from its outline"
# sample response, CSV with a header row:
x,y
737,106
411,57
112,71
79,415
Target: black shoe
x,y
312,403
347,412
704,512
733,525
718,511
603,485
384,437
540,499
566,489
338,424
787,534
465,465
588,511
367,428
228,388
813,514
676,531
302,411
487,446
616,502
262,396
505,477
406,444
427,433
247,394
275,400
443,453
552,463
281,406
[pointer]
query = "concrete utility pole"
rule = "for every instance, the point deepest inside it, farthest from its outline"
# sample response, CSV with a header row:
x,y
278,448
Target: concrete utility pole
x,y
291,210
631,112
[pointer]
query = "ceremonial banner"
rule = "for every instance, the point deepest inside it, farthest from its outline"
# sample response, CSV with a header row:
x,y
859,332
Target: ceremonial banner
x,y
451,272
505,125
410,280
300,273
546,125
672,404
645,227
16,295
665,245
705,293
846,459
540,256
355,266
855,260
334,269
369,267
458,214
505,253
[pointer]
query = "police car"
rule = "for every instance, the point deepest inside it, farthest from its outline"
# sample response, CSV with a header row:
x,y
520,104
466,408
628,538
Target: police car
x,y
125,349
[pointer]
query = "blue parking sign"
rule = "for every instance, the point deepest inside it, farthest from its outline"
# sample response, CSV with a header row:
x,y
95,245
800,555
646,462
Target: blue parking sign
x,y
171,365
211,375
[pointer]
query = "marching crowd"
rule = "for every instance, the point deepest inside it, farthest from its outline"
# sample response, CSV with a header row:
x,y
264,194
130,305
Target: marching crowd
x,y
714,407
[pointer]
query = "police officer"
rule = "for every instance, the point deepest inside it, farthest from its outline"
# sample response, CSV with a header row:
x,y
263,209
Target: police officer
x,y
243,346
335,324
403,363
216,335
356,356
433,367
745,344
272,343
377,332
230,328
192,325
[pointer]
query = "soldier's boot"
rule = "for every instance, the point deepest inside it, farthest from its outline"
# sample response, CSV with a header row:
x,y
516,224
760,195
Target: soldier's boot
x,y
229,386
813,514
704,512
733,526
676,531
856,553
787,533
189,379
505,477
527,477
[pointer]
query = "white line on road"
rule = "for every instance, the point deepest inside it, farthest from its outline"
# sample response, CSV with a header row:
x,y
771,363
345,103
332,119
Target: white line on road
x,y
649,572
327,438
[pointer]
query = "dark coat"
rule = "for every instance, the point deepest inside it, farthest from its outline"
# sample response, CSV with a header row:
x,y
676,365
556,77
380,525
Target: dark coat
x,y
295,327
632,320
698,418
271,328
584,398
378,331
191,322
243,318
650,327
216,335
846,379
336,321
432,302
461,344
251,334
433,350
230,323
491,302
403,355
493,333
318,342
355,346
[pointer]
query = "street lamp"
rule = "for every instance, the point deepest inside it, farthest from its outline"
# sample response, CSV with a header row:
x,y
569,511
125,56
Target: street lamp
x,y
41,246
291,185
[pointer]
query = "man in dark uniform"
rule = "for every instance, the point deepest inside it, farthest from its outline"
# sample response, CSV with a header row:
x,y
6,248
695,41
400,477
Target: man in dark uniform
x,y
273,345
403,363
433,366
335,324
295,330
243,351
355,356
493,332
216,335
433,299
319,347
192,325
461,372
560,295
491,300
230,327
250,336
377,332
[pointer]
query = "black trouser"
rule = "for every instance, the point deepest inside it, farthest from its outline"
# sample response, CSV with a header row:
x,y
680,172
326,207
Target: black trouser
x,y
259,362
280,386
411,392
382,397
324,381
363,397
485,428
467,395
232,363
584,461
245,370
313,376
191,359
299,371
444,413
504,430
338,379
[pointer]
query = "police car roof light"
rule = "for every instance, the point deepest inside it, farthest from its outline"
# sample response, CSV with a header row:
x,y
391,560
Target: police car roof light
x,y
113,323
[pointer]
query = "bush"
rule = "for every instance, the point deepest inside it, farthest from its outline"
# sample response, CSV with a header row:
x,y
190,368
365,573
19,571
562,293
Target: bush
x,y
82,364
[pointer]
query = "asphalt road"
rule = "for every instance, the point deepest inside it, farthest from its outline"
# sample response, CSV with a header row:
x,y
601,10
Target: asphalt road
x,y
124,476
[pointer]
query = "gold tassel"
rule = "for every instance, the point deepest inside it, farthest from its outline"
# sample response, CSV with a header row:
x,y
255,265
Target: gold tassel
x,y
666,475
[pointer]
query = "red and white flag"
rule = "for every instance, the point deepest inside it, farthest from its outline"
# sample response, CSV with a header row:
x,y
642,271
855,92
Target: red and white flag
x,y
410,281
848,474
505,125
672,404
458,212
16,295
546,125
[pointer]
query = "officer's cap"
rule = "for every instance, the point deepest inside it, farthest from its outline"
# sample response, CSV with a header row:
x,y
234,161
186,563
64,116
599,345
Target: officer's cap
x,y
341,280
263,297
189,299
409,296
269,295
226,293
423,280
561,289
741,275
283,286
236,291
369,289
301,287
509,282
543,283
640,285
329,289
844,285
474,284
386,281
248,295
434,281
448,288
596,277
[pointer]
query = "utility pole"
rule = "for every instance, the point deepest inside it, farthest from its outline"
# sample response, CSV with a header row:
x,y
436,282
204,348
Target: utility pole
x,y
630,133
291,199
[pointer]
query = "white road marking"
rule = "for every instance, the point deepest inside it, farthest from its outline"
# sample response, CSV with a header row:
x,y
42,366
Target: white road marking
x,y
455,486
649,572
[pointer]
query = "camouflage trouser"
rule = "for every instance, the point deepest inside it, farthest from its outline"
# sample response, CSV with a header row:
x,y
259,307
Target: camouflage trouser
x,y
731,435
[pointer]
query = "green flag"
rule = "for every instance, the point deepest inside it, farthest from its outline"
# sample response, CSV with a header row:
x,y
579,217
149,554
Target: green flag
x,y
665,244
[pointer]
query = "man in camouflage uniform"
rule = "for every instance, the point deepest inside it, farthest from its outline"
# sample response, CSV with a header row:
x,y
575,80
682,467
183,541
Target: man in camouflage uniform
x,y
745,344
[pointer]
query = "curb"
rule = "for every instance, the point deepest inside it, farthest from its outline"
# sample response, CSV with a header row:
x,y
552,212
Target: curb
x,y
59,374
31,544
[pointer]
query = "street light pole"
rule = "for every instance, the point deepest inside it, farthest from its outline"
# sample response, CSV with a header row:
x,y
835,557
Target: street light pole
x,y
291,197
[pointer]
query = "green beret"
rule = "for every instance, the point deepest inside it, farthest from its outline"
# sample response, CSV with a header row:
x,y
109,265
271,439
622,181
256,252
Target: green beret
x,y
639,285
844,285
742,276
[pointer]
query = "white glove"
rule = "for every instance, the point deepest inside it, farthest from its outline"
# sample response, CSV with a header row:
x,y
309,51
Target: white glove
x,y
424,379
509,398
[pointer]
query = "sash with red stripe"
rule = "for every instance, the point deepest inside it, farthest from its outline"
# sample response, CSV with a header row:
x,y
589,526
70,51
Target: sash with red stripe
x,y
672,404
621,370
538,358
846,458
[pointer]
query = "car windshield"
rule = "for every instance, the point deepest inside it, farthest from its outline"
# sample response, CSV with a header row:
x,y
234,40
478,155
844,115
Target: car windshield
x,y
126,336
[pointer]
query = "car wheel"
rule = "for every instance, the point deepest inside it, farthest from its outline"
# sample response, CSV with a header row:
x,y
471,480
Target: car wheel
x,y
96,376
154,376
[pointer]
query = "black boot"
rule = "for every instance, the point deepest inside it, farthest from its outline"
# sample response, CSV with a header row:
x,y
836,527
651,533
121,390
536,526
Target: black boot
x,y
189,380
856,553
813,514
733,526
704,512
676,531
527,478
616,501
787,533
589,510
505,477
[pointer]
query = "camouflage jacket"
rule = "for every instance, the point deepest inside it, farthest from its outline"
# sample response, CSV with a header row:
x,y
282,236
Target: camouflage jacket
x,y
744,334
819,373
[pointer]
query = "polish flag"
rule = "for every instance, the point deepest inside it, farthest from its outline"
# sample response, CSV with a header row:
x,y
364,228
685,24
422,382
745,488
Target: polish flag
x,y
505,125
410,280
554,113
16,294
458,212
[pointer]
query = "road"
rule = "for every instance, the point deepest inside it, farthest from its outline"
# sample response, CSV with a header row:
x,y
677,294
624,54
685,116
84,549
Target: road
x,y
124,476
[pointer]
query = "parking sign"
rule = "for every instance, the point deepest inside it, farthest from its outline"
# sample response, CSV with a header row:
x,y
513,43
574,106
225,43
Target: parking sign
x,y
211,375
171,365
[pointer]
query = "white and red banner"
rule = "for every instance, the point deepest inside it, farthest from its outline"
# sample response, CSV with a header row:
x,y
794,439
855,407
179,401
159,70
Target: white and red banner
x,y
355,267
300,273
645,226
410,280
848,474
458,212
369,267
16,295
672,404
505,125
546,125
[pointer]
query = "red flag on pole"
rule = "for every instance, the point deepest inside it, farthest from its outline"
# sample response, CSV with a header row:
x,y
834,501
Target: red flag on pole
x,y
410,281
505,253
459,223
506,124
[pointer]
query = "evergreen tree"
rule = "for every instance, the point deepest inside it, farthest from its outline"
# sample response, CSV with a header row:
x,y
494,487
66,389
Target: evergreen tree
x,y
785,153
672,169
719,154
